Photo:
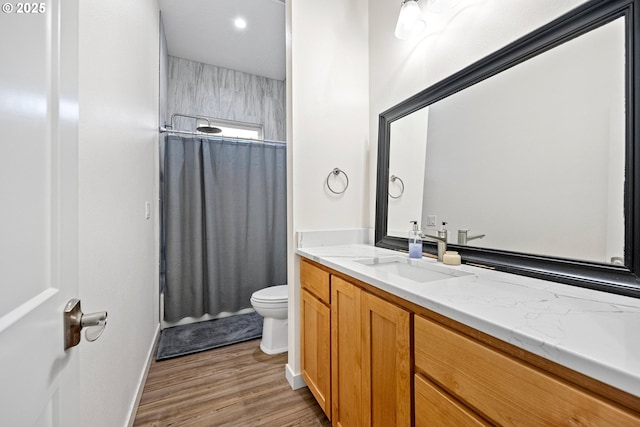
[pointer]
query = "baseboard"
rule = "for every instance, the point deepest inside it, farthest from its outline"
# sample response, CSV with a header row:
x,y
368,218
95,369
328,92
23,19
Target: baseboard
x,y
295,380
143,377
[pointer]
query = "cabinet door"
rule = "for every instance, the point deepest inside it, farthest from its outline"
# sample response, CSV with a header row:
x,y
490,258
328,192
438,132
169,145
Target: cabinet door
x,y
436,408
346,354
386,368
315,349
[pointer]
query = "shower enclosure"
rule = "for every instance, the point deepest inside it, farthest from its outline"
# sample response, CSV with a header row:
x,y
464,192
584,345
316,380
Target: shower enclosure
x,y
223,223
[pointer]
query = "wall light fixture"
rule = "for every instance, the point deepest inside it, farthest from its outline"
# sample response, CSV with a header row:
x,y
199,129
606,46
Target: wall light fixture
x,y
410,20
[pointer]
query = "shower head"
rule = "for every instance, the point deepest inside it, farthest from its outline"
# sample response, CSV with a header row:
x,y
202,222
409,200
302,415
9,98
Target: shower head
x,y
204,126
202,123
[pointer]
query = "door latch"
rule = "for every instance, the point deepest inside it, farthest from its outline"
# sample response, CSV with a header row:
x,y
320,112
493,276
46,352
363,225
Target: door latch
x,y
75,320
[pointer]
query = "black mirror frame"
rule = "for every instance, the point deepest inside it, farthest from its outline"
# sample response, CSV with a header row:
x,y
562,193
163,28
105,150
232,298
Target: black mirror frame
x,y
624,280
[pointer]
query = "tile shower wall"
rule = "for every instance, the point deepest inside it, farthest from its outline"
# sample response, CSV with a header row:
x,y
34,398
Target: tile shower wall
x,y
164,82
202,89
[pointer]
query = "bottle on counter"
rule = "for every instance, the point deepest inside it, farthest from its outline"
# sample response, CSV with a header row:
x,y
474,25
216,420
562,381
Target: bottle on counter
x,y
415,241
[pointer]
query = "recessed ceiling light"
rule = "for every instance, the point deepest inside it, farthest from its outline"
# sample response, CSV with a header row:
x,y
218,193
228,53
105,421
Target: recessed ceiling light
x,y
240,23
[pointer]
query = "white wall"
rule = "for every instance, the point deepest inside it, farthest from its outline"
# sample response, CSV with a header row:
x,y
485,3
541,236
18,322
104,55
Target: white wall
x,y
118,135
329,85
453,40
327,102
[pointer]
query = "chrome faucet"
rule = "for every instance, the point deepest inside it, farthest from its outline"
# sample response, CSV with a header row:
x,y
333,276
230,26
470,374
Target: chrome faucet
x,y
463,237
441,238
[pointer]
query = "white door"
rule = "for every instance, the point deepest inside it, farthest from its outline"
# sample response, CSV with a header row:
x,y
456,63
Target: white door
x,y
38,210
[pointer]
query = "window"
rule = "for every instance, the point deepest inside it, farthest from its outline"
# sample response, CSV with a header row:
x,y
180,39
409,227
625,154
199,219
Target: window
x,y
233,129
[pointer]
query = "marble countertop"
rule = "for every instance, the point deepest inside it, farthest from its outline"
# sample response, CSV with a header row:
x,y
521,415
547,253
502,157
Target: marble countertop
x,y
592,332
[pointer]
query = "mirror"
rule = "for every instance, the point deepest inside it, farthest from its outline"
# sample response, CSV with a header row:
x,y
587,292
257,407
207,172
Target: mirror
x,y
530,151
533,158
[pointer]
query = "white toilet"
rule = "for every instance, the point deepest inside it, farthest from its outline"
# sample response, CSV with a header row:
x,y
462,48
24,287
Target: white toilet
x,y
271,303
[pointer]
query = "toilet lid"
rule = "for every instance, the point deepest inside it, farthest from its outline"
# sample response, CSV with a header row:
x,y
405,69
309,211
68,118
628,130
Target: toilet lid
x,y
272,294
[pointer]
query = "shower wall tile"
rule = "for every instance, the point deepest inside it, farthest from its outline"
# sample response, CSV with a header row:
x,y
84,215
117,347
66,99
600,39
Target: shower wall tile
x,y
164,80
208,90
273,109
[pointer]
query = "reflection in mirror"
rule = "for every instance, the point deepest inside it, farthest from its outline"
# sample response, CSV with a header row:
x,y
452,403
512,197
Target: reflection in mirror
x,y
407,161
533,157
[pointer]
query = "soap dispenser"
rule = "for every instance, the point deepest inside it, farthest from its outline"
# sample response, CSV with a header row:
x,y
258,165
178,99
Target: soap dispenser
x,y
415,241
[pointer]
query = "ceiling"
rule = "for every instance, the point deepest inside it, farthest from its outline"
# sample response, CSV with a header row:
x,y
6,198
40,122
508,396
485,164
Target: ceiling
x,y
203,31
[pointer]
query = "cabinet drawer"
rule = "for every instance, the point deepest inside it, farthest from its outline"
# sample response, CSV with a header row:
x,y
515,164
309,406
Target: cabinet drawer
x,y
315,280
436,408
505,390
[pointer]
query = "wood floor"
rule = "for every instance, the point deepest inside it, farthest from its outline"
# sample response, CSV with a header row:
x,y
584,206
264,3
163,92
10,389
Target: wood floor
x,y
237,385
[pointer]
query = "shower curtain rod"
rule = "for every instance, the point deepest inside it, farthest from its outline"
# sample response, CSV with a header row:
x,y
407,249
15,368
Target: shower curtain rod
x,y
217,137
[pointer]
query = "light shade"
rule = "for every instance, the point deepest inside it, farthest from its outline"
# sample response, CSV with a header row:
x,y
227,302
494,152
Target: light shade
x,y
410,22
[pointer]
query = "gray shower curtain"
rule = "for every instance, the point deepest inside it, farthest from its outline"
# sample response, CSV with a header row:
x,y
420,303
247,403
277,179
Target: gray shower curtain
x,y
224,223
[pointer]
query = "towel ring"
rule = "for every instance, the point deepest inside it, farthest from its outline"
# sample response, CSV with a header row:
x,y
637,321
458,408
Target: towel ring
x,y
393,178
336,172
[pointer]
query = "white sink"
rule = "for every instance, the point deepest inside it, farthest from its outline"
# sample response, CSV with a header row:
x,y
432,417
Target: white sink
x,y
413,269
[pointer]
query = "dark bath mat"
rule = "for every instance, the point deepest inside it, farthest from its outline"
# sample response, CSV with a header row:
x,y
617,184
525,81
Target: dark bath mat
x,y
201,336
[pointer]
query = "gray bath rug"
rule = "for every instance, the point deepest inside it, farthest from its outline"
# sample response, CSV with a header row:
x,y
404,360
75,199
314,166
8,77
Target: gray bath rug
x,y
201,336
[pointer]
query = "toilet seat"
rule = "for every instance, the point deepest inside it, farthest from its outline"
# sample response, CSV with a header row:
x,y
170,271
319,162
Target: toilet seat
x,y
271,295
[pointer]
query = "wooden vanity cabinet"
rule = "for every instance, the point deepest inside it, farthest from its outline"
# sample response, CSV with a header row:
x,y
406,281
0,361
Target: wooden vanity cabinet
x,y
386,363
500,388
371,359
315,333
368,354
346,354
374,359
